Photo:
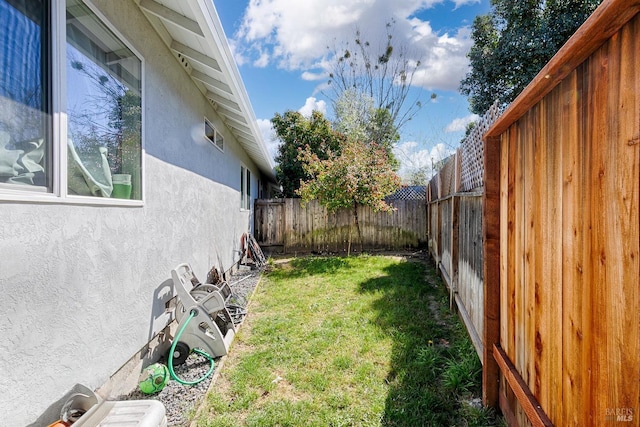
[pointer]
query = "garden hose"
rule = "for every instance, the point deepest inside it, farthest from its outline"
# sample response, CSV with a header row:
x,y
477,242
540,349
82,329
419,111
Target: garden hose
x,y
195,350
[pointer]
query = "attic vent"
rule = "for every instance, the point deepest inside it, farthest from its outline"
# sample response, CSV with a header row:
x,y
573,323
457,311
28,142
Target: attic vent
x,y
183,60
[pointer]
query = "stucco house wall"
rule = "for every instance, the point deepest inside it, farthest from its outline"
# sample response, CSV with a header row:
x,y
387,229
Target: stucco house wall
x,y
85,285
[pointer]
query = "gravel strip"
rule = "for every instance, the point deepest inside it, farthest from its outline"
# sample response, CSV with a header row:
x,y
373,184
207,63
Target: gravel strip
x,y
181,401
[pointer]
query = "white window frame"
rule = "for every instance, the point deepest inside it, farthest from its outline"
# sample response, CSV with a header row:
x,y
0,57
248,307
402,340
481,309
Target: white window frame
x,y
217,140
59,191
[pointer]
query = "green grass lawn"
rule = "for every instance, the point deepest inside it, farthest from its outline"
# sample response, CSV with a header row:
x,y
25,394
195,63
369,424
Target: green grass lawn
x,y
358,341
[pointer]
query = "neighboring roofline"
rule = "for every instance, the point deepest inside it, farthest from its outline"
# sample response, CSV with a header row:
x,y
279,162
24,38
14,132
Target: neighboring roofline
x,y
208,59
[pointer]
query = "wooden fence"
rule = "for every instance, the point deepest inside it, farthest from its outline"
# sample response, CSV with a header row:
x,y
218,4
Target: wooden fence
x,y
456,227
561,238
551,298
284,225
454,210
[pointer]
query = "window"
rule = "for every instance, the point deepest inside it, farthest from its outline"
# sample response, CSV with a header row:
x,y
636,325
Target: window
x,y
103,109
245,188
101,124
212,135
25,104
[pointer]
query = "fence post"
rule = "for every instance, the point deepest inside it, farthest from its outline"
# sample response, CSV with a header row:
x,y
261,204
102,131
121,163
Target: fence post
x,y
455,215
455,227
286,217
491,269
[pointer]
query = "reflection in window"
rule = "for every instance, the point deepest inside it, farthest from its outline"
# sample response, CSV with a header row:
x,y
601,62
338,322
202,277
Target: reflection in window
x,y
25,145
245,188
212,135
247,191
104,109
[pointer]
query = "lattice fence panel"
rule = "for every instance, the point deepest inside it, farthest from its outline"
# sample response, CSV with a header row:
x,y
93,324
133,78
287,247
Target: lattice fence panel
x,y
411,192
472,173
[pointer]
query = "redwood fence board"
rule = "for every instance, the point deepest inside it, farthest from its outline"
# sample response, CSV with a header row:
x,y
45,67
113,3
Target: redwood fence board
x,y
560,235
576,241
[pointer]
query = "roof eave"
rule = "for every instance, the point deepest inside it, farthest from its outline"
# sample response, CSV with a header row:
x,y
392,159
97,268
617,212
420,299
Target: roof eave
x,y
199,43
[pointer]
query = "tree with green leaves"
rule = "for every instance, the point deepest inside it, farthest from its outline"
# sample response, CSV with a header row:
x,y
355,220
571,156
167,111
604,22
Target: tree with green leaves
x,y
297,132
513,42
359,174
358,119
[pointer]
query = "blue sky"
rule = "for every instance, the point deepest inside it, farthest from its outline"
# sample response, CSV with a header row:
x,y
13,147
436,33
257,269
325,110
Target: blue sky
x,y
280,47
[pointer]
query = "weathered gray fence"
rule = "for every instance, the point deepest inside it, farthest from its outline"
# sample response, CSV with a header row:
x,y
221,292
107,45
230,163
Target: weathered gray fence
x,y
283,225
455,243
454,209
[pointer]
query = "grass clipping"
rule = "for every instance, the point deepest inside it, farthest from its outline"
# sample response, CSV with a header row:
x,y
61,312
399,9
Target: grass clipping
x,y
359,341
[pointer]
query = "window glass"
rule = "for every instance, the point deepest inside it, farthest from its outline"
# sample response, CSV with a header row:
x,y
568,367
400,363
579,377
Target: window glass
x,y
25,145
248,191
212,135
104,109
242,187
219,141
245,188
209,132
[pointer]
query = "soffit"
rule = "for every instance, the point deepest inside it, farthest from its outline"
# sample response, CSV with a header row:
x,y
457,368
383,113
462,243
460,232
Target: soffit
x,y
193,32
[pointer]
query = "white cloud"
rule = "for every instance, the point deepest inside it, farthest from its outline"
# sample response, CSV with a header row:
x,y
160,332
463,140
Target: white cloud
x,y
460,124
418,157
269,136
460,3
311,105
262,61
311,76
295,32
444,62
294,35
414,157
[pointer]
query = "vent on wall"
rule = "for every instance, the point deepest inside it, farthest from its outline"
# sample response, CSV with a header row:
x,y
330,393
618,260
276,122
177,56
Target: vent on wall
x,y
184,62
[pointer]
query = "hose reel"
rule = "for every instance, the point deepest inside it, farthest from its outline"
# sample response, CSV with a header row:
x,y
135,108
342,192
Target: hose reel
x,y
203,318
